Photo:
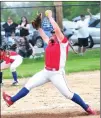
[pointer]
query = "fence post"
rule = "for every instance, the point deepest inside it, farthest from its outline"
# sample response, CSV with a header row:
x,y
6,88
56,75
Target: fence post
x,y
59,13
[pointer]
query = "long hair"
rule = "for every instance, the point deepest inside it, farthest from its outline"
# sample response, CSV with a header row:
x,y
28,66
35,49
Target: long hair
x,y
25,18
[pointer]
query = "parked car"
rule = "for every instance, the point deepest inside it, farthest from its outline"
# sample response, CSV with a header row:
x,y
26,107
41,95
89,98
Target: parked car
x,y
94,31
78,18
87,16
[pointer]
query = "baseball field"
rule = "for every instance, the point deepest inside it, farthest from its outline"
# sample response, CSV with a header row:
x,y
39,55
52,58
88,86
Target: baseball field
x,y
46,101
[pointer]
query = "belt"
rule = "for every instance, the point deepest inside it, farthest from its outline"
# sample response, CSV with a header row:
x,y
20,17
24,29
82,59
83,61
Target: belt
x,y
51,69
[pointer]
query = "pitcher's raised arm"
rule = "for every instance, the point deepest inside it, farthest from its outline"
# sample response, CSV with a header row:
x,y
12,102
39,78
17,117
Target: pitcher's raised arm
x,y
57,29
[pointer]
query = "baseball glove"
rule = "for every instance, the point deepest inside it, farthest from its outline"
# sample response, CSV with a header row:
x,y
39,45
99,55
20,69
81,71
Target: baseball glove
x,y
37,22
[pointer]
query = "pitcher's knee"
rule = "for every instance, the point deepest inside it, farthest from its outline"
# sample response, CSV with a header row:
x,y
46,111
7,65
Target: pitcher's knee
x,y
28,87
69,95
30,84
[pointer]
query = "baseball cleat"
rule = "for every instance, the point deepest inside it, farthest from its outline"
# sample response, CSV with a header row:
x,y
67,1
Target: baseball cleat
x,y
15,83
7,99
91,111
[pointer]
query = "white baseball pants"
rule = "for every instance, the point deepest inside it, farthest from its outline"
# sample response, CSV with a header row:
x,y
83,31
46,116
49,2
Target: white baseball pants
x,y
17,61
56,77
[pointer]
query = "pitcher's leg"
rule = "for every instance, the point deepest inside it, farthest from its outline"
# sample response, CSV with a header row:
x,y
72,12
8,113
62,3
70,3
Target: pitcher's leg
x,y
37,80
60,83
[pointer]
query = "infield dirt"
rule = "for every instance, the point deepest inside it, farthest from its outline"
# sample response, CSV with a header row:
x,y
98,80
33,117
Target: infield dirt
x,y
46,101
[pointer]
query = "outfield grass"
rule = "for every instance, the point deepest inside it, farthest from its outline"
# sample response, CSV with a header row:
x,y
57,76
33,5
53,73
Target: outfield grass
x,y
75,63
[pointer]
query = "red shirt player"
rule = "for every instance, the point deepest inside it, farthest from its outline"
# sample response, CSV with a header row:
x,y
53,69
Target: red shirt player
x,y
55,58
10,60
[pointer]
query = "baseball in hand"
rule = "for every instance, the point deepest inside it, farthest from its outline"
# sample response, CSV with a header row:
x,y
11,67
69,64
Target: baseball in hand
x,y
46,13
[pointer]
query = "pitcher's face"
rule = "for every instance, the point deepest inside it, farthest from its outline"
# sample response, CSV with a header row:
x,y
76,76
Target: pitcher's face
x,y
53,38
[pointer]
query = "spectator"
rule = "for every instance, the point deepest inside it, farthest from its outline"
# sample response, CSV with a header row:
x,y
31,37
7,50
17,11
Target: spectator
x,y
24,27
24,48
9,27
83,34
12,42
47,27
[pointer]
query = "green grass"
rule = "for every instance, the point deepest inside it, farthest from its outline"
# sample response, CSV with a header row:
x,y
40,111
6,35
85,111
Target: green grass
x,y
89,62
75,63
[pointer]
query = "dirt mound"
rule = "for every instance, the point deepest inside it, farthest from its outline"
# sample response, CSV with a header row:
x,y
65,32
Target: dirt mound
x,y
46,101
73,114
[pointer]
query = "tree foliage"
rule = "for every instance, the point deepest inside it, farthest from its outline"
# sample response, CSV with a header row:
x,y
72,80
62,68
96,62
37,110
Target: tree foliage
x,y
71,9
76,8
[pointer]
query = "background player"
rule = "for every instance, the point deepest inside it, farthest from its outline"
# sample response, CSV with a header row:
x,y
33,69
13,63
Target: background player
x,y
10,60
55,58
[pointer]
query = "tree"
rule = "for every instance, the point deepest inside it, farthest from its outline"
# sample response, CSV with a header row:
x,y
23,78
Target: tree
x,y
75,8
